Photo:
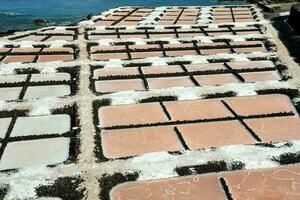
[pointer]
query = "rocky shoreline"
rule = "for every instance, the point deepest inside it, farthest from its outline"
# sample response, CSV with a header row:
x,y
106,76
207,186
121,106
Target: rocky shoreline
x,y
41,23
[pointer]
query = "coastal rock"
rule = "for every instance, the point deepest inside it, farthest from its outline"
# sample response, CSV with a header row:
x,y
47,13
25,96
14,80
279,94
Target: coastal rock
x,y
89,17
41,22
294,17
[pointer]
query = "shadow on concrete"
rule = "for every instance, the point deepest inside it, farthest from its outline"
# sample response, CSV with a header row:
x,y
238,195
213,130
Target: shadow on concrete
x,y
289,38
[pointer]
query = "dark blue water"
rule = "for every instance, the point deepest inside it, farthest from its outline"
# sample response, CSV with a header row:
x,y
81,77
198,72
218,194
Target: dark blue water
x,y
20,14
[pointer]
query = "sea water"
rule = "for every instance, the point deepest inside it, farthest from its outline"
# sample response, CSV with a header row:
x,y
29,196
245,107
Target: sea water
x,y
20,14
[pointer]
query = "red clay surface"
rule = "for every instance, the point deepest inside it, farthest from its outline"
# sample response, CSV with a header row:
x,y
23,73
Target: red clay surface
x,y
159,122
261,184
158,77
224,15
196,124
48,35
179,16
128,51
173,16
124,17
173,33
30,55
119,143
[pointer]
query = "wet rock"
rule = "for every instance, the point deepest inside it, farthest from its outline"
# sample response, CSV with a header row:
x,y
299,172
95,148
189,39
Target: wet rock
x,y
41,22
89,17
294,17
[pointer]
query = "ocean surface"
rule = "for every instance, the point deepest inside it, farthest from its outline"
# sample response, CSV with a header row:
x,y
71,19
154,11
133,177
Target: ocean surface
x,y
20,14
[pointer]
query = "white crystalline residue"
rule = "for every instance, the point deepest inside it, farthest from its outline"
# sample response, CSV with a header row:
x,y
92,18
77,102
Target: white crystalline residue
x,y
182,93
6,69
185,26
161,8
241,59
203,21
56,43
60,28
86,23
115,60
252,160
192,93
131,27
257,36
238,152
123,98
98,17
48,198
103,15
113,63
244,24
250,89
20,43
186,94
43,106
240,24
29,44
50,67
22,184
138,41
150,19
159,27
242,90
170,40
206,39
233,38
131,97
204,59
100,28
204,16
196,59
26,44
264,21
3,105
205,10
213,26
154,165
147,22
156,61
260,54
161,164
237,57
105,42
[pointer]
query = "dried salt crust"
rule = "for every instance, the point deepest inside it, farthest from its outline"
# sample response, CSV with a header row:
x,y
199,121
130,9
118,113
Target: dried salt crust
x,y
51,67
23,183
203,18
47,30
49,143
31,44
202,39
260,28
44,83
186,26
55,151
